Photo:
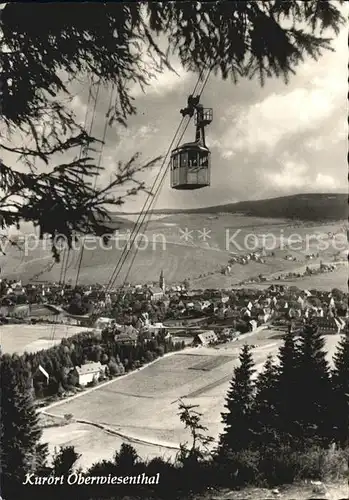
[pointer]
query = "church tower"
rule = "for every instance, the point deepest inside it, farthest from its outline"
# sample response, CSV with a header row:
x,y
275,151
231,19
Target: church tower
x,y
162,281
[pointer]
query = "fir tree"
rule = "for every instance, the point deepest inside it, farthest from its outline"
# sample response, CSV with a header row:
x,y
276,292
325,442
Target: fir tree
x,y
126,458
340,381
265,413
64,460
20,434
287,392
238,434
314,390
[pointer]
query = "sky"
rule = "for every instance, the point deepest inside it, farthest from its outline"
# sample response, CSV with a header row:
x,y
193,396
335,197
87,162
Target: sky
x,y
265,141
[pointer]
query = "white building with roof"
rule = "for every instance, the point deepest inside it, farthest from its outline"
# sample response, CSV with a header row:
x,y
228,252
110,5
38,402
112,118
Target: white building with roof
x,y
89,372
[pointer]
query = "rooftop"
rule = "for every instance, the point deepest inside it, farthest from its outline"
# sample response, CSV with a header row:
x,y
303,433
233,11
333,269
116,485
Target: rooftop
x,y
89,368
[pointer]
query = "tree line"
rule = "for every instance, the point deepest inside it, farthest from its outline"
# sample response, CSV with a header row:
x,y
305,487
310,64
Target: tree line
x,y
288,422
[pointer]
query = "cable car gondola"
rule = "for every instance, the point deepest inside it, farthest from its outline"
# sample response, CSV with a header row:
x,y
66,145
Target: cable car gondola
x,y
190,162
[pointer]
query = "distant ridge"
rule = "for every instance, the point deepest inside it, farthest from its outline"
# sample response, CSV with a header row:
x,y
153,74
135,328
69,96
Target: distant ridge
x,y
312,206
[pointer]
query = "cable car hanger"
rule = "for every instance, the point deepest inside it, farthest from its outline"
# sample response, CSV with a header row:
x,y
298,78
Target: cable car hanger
x,y
190,162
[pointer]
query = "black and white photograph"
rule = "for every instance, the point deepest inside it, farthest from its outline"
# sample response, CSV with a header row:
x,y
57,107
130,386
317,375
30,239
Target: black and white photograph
x,y
174,319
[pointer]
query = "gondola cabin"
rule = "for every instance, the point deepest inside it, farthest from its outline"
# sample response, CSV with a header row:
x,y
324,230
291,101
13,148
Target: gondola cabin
x,y
190,166
190,162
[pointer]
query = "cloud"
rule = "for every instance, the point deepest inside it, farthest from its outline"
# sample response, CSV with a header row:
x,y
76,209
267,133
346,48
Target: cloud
x,y
335,135
295,175
263,125
163,83
312,94
326,182
292,175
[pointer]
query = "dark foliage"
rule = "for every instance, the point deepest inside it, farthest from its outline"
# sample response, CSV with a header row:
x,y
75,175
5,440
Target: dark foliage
x,y
317,393
265,406
20,450
239,404
340,378
271,454
288,384
291,416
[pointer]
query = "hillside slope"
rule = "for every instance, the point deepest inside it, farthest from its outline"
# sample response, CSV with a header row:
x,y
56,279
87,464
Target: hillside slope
x,y
313,206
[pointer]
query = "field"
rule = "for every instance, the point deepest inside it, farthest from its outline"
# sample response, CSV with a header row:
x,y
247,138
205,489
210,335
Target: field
x,y
177,245
32,338
142,407
177,260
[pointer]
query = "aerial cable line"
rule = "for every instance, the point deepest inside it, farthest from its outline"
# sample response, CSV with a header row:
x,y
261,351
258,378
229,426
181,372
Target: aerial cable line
x,y
148,214
145,210
126,250
106,124
158,190
64,267
66,252
139,222
150,196
90,132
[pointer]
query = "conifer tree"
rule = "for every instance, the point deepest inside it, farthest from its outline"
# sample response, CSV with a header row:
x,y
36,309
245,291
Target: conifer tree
x,y
238,434
287,392
265,414
64,460
21,451
314,390
340,382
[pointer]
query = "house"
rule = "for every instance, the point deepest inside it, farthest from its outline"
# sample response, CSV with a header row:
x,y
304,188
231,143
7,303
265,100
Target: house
x,y
329,326
127,335
16,289
296,326
127,329
173,322
156,293
220,313
205,338
156,328
4,310
102,323
89,373
226,334
294,313
147,334
19,311
205,304
150,331
264,316
125,339
232,313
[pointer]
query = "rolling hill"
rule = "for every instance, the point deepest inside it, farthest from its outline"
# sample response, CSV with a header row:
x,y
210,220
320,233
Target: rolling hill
x,y
196,243
313,206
